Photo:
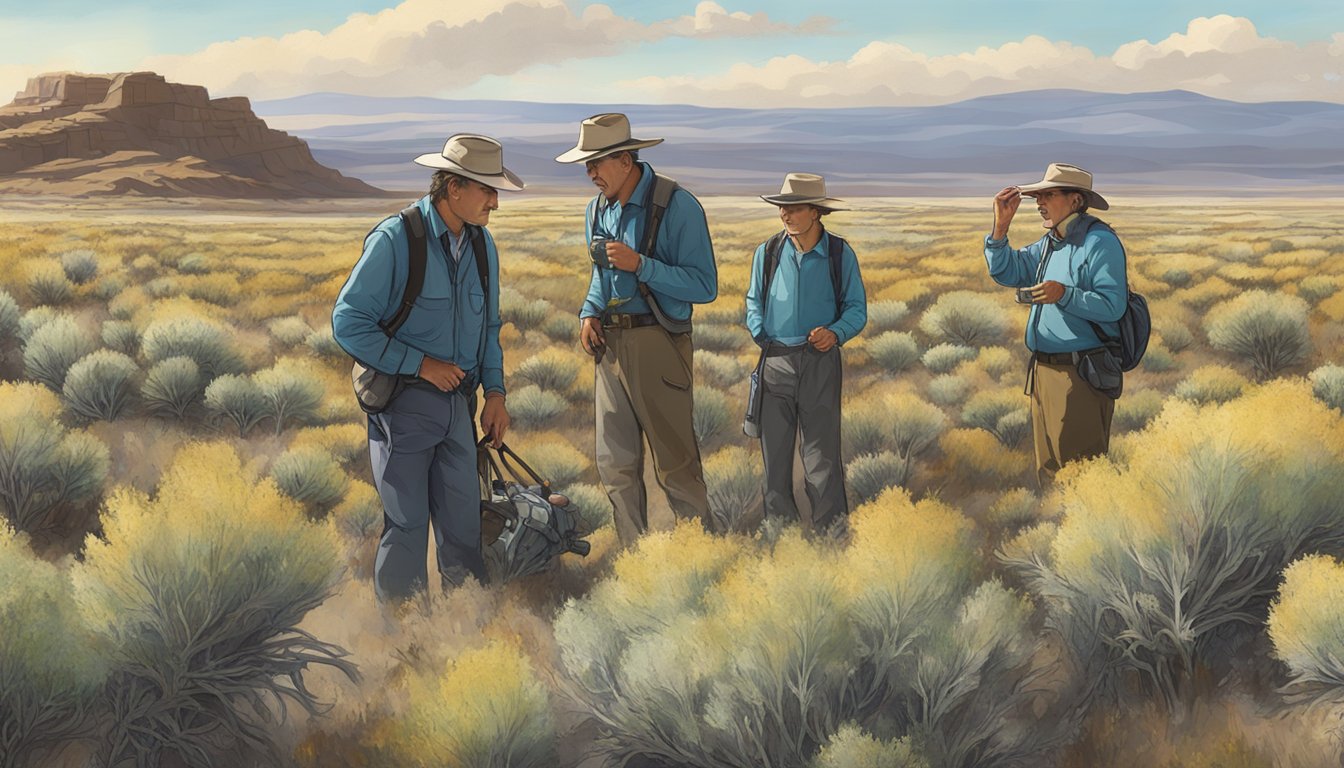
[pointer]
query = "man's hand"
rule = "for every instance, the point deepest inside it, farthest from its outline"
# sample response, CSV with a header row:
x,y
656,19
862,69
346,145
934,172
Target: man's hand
x,y
590,335
1047,292
1005,208
445,376
822,338
622,256
495,419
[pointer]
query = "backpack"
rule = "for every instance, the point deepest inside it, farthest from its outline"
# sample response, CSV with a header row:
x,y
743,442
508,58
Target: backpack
x,y
522,527
1135,324
775,244
656,201
373,389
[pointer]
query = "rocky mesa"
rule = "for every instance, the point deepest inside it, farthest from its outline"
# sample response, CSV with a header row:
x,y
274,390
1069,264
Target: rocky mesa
x,y
136,133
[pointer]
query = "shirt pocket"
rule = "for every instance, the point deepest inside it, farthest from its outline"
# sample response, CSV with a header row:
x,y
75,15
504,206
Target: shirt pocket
x,y
476,299
430,320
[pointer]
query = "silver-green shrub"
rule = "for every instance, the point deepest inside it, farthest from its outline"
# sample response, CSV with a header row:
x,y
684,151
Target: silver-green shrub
x,y
551,369
944,357
35,318
289,331
1327,383
1135,410
1318,287
712,415
1003,413
49,287
9,316
311,477
720,338
948,389
43,467
100,385
121,336
291,396
321,343
893,351
720,370
966,318
172,386
734,479
532,407
1268,331
1211,384
210,344
870,474
80,266
51,673
886,316
53,348
592,505
238,399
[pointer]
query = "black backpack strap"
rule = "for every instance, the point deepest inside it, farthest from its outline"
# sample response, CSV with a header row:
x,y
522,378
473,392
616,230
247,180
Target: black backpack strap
x,y
655,206
837,252
772,248
414,224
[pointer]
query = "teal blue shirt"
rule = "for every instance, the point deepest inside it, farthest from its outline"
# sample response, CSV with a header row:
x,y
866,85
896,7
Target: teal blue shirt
x,y
1090,262
802,297
448,318
680,272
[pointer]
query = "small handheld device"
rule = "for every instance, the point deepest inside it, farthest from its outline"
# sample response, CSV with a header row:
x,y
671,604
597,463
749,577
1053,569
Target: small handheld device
x,y
1024,296
597,252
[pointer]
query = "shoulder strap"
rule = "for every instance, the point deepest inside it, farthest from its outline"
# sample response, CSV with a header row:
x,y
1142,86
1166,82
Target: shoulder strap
x,y
660,196
837,252
772,248
482,260
414,224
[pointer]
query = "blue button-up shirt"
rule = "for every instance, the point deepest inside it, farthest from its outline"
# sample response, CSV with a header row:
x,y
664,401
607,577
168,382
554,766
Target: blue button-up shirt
x,y
680,272
802,297
448,319
1090,262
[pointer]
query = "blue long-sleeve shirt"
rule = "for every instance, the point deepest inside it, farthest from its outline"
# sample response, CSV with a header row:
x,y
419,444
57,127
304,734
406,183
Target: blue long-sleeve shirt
x,y
679,273
1090,262
448,318
802,297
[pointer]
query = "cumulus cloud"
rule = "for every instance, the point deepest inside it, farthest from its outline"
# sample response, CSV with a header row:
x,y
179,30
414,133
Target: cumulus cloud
x,y
427,47
1222,56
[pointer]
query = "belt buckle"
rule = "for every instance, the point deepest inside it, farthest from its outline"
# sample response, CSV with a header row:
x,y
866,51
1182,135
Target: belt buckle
x,y
625,322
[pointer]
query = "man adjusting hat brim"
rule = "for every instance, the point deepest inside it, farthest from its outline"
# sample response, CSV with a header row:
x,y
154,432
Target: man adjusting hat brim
x,y
506,180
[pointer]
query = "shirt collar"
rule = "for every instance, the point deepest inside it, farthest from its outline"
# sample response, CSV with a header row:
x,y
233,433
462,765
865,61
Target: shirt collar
x,y
642,188
822,247
1064,227
433,221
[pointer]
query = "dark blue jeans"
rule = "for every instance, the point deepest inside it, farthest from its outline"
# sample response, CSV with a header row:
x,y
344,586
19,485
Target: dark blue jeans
x,y
423,452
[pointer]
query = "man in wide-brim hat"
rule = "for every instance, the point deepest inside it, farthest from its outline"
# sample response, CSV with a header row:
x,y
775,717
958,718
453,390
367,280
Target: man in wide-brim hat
x,y
652,260
422,445
1074,279
805,299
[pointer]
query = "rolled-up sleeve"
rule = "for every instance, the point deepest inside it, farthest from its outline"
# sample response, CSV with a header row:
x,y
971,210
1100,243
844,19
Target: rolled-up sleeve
x,y
369,293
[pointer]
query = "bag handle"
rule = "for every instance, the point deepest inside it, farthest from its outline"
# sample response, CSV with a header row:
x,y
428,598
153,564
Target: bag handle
x,y
507,458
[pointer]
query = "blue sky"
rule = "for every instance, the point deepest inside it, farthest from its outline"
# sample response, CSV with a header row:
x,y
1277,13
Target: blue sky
x,y
666,64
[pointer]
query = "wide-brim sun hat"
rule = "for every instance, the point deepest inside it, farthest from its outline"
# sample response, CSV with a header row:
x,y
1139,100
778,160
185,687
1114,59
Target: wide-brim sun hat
x,y
1065,176
602,135
805,189
475,157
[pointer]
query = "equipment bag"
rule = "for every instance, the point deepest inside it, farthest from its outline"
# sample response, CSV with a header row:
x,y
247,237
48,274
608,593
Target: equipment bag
x,y
523,526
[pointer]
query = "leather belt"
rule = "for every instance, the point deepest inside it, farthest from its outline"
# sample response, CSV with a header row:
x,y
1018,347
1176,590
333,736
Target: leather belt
x,y
617,320
1065,358
779,350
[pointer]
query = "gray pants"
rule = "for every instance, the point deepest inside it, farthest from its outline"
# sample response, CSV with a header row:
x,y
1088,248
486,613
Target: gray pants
x,y
423,452
802,395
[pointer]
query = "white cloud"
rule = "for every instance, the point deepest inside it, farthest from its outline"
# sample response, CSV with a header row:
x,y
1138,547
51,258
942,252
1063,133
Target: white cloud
x,y
1222,56
432,47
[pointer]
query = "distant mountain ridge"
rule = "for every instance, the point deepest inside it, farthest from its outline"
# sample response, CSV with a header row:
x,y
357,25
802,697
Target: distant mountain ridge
x,y
1171,140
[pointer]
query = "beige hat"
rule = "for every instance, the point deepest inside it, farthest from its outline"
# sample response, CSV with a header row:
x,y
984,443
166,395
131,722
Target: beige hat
x,y
804,189
602,135
1065,176
476,157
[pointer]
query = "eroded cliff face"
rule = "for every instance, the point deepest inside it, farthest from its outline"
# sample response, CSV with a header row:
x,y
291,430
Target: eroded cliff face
x,y
137,133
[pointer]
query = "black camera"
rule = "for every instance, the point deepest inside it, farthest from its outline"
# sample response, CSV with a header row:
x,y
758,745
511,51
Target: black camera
x,y
1024,296
597,252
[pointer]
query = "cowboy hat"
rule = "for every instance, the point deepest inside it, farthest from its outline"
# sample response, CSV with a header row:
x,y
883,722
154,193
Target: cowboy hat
x,y
602,135
804,189
475,157
1065,176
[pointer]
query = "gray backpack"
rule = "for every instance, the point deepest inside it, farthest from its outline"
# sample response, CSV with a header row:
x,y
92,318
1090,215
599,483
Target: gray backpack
x,y
523,527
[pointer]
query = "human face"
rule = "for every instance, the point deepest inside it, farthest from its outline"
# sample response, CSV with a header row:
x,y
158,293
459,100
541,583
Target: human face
x,y
610,173
1055,205
798,219
473,201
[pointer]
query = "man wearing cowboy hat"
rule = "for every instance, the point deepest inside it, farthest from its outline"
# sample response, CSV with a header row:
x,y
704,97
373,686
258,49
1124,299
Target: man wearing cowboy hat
x,y
653,261
805,299
422,446
1074,279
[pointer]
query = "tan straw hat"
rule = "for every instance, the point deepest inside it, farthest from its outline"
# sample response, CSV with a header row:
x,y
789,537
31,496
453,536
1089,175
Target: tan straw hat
x,y
804,189
476,157
1065,176
602,135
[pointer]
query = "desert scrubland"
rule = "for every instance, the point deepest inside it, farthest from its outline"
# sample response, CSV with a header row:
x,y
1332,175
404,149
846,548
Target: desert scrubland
x,y
189,523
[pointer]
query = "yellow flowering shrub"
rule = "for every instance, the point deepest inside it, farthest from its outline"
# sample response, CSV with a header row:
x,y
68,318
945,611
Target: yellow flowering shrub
x,y
1306,625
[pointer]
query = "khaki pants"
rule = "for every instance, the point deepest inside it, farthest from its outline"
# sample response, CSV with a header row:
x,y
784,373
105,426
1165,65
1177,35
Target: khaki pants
x,y
1069,419
644,390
